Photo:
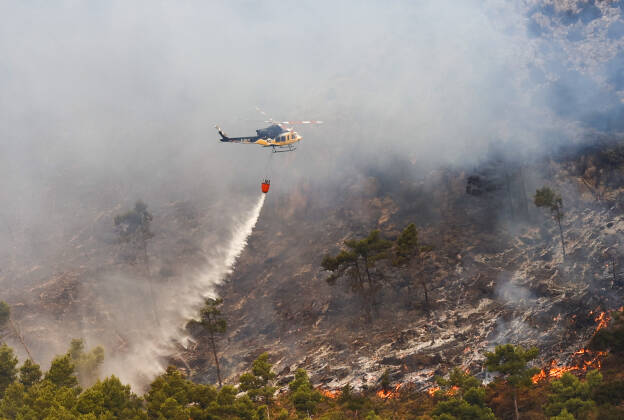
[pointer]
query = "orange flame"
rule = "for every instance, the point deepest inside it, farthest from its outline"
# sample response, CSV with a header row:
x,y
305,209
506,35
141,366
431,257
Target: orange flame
x,y
329,393
602,320
595,361
431,391
390,394
452,391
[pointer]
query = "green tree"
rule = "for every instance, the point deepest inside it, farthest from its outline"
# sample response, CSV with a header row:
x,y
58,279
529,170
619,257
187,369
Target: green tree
x,y
512,362
8,369
409,254
257,383
110,399
214,324
547,198
356,263
384,381
13,401
461,397
135,224
29,373
62,373
171,384
303,396
134,228
564,415
572,395
87,364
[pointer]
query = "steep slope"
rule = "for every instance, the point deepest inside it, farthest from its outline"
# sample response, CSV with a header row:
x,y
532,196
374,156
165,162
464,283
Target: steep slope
x,y
496,273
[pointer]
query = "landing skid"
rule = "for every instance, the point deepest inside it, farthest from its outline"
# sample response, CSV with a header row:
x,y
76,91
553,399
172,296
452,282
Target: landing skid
x,y
290,149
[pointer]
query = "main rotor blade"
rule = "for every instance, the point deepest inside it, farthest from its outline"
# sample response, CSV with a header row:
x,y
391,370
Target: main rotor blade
x,y
299,122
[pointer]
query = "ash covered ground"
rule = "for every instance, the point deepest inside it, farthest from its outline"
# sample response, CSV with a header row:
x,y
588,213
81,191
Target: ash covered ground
x,y
496,273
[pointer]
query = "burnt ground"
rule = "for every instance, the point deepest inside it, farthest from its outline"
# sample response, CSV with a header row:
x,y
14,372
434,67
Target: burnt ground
x,y
496,272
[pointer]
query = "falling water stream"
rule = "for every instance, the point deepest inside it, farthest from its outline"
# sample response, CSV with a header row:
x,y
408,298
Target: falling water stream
x,y
147,355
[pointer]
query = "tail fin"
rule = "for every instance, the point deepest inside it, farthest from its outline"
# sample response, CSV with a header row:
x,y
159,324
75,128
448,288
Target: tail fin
x,y
224,136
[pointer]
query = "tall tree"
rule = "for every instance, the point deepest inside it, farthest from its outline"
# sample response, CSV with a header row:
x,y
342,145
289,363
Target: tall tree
x,y
547,198
62,372
409,254
512,362
257,382
356,263
134,228
87,364
214,325
303,395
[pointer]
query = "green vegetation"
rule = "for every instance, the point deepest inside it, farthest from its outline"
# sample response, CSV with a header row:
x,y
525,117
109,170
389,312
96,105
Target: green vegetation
x,y
212,323
303,396
355,263
461,396
8,369
257,383
409,254
27,394
87,364
572,397
512,362
134,225
134,228
547,198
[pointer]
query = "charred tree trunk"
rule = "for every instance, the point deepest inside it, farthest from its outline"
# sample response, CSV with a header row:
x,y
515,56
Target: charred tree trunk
x,y
558,217
364,293
371,288
149,281
213,344
424,285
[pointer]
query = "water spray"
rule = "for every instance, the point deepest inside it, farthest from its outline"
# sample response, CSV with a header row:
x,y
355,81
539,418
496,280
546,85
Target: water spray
x,y
148,355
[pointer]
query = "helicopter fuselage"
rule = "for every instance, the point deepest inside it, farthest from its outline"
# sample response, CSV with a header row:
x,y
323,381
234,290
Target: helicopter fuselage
x,y
272,136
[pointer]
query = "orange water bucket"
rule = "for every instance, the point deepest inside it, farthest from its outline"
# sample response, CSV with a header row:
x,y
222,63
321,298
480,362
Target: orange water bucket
x,y
265,186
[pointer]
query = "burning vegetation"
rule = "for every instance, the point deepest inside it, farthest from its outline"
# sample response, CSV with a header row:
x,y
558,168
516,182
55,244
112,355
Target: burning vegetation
x,y
581,360
390,393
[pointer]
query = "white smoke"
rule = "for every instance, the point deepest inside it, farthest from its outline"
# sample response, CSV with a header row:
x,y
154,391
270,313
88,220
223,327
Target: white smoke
x,y
146,356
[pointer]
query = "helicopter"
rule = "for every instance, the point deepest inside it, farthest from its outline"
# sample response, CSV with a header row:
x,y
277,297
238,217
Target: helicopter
x,y
278,136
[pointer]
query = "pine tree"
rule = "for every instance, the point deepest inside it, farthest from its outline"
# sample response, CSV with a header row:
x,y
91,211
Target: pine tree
x,y
408,253
29,373
462,397
547,198
511,361
573,396
214,324
356,262
62,372
302,394
8,367
257,382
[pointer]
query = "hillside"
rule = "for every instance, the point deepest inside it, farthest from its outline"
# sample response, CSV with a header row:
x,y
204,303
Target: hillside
x,y
495,274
